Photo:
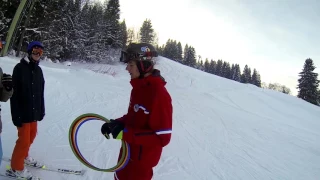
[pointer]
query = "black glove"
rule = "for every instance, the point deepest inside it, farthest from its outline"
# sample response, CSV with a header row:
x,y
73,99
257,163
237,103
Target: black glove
x,y
105,130
108,127
7,82
116,130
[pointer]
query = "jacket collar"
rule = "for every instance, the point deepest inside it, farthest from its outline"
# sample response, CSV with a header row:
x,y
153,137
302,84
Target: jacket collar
x,y
154,79
27,60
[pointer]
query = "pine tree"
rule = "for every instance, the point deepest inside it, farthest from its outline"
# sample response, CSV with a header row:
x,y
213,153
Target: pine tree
x,y
97,33
318,96
206,65
132,36
246,75
232,72
185,54
55,29
218,69
308,83
200,64
171,50
237,76
179,53
213,67
226,70
155,41
235,73
7,12
190,58
147,32
256,80
113,26
123,34
160,49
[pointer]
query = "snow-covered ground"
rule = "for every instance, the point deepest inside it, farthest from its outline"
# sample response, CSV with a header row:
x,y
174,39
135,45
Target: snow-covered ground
x,y
222,130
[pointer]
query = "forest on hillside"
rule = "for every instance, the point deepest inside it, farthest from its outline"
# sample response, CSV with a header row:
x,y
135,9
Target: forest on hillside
x,y
81,30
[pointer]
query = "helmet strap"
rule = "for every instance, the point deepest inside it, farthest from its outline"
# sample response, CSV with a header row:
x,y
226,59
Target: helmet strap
x,y
142,69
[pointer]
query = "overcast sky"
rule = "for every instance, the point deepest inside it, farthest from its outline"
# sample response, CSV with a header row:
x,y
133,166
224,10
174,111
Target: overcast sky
x,y
273,36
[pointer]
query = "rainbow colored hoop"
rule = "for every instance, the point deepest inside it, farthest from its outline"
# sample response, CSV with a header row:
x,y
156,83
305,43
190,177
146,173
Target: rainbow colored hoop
x,y
73,131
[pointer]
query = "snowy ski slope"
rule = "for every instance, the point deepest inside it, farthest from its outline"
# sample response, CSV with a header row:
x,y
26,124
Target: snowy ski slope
x,y
222,130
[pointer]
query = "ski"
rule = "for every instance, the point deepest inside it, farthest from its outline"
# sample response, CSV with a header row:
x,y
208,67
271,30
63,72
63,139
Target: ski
x,y
7,174
4,175
52,168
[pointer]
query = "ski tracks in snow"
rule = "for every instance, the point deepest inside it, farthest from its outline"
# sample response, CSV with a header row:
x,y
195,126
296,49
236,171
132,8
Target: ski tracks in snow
x,y
211,141
72,103
222,130
220,148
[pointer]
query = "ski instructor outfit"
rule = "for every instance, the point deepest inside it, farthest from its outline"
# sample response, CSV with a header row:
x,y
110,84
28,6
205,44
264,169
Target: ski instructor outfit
x,y
147,125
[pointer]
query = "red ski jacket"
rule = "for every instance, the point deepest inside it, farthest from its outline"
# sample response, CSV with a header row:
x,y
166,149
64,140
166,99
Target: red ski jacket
x,y
148,124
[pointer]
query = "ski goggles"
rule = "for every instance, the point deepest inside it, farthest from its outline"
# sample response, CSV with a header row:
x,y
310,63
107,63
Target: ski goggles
x,y
126,57
37,50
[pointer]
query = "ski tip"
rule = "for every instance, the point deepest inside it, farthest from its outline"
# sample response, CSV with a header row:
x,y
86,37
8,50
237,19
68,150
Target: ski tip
x,y
83,171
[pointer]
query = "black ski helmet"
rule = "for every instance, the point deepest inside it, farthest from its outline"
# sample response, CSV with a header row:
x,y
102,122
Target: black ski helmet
x,y
142,53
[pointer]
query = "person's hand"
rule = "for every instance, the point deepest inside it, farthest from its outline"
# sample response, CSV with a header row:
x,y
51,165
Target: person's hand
x,y
117,131
108,127
7,82
105,130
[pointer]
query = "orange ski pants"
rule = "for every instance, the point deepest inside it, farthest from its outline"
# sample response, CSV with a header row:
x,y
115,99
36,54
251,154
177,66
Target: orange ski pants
x,y
26,135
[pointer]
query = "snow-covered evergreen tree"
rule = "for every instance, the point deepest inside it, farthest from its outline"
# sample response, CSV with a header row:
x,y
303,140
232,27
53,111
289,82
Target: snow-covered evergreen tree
x,y
218,68
170,50
7,12
190,56
237,73
246,75
132,36
147,32
212,67
123,34
318,96
112,16
179,52
256,80
308,83
207,65
226,70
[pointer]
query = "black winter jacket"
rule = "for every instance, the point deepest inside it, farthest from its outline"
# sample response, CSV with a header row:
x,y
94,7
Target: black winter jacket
x,y
27,101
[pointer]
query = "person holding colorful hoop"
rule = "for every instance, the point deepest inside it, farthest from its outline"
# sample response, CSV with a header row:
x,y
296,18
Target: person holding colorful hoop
x,y
147,126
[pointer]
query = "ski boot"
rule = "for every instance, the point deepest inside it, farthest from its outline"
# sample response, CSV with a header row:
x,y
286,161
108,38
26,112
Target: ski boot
x,y
21,175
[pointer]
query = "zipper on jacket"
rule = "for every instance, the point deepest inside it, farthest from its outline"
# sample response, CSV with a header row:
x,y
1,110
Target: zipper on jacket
x,y
140,152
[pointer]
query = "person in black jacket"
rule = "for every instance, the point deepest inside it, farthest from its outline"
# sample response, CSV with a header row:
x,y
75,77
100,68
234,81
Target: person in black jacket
x,y
5,94
27,108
